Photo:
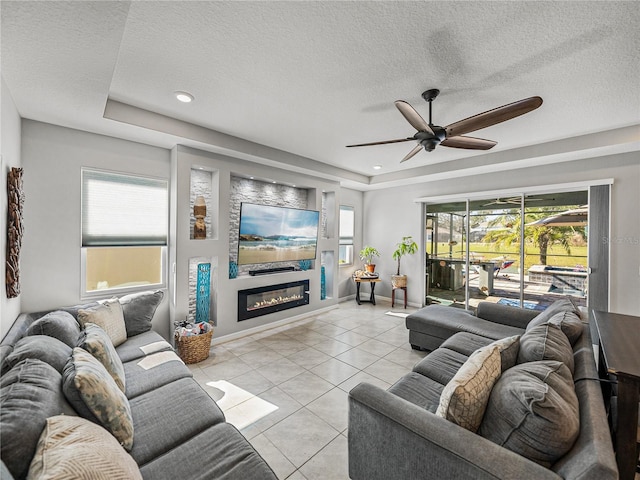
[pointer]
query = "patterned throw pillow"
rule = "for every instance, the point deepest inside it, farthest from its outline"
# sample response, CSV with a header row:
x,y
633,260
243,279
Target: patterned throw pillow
x,y
95,340
464,398
96,397
75,448
109,317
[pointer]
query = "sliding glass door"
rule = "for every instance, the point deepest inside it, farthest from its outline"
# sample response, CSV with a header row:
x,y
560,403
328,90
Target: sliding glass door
x,y
524,251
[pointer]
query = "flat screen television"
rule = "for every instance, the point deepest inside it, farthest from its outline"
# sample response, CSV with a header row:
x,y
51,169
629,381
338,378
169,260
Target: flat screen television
x,y
270,234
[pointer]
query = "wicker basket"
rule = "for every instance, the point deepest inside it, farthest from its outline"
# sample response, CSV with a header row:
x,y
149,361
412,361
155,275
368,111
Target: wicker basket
x,y
399,281
194,349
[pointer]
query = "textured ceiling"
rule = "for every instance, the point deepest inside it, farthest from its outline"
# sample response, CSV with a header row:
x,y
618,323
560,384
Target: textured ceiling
x,y
308,78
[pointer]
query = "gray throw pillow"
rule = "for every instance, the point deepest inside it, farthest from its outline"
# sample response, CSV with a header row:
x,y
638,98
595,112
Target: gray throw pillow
x,y
139,309
508,348
29,393
570,324
96,397
533,411
546,342
95,340
58,324
42,347
561,305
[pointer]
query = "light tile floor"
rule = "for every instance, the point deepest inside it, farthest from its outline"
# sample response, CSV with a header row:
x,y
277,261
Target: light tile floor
x,y
286,388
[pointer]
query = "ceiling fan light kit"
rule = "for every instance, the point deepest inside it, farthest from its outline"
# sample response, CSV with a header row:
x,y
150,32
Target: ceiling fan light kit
x,y
429,136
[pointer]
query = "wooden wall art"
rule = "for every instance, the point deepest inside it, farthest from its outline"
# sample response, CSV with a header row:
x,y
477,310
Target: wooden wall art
x,y
14,231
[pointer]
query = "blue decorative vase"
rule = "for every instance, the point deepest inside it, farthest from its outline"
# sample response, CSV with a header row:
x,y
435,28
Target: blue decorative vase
x,y
233,269
203,291
304,264
323,284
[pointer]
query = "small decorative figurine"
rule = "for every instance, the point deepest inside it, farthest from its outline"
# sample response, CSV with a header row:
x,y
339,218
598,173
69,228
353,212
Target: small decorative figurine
x,y
199,211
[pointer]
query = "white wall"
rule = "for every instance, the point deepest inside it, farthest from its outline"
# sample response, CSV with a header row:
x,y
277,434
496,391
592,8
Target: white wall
x,y
10,153
392,213
355,199
52,158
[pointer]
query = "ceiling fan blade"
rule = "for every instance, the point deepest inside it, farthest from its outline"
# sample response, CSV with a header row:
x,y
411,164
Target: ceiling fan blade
x,y
415,150
471,143
382,143
413,117
492,117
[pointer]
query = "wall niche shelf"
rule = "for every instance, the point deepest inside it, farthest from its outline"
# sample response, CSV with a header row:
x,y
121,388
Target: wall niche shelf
x,y
204,185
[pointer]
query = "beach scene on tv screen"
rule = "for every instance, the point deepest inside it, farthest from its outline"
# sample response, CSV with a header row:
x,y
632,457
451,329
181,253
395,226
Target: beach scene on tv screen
x,y
276,234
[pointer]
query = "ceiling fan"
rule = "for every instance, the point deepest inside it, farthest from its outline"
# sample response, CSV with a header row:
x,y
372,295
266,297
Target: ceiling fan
x,y
510,201
429,136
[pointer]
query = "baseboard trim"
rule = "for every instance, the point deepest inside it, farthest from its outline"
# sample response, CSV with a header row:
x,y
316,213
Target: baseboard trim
x,y
261,328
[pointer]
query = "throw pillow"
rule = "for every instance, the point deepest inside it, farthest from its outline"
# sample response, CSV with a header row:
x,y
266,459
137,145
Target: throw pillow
x,y
74,448
139,309
58,324
109,317
562,305
508,348
569,323
43,347
546,342
29,393
464,398
96,397
533,411
95,340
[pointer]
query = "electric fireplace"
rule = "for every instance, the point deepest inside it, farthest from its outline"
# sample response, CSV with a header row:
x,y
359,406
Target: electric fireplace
x,y
256,302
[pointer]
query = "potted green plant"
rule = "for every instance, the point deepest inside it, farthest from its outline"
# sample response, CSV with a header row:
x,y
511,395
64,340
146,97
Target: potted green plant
x,y
405,247
367,254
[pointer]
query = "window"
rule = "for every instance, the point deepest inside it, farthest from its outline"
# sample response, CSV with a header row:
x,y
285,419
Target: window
x,y
347,222
124,232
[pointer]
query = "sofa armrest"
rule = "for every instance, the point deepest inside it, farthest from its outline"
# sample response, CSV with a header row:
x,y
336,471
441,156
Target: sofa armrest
x,y
391,438
506,315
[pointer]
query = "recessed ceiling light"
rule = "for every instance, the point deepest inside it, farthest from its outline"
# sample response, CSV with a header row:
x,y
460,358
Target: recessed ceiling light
x,y
184,97
250,178
274,182
377,167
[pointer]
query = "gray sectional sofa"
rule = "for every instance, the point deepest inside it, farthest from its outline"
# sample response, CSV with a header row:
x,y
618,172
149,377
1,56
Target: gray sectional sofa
x,y
178,430
543,417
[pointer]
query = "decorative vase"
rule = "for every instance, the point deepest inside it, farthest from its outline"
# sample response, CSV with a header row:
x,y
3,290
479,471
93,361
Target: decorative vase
x,y
199,211
371,267
203,292
323,283
233,269
304,264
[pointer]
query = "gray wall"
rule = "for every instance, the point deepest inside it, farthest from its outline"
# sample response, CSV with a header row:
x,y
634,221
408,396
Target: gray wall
x,y
52,158
10,152
391,213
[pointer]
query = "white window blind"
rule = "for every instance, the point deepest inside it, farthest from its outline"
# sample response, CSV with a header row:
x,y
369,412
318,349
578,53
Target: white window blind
x,y
121,210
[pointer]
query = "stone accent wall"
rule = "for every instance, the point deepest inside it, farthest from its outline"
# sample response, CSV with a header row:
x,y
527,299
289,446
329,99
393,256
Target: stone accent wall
x,y
262,193
201,185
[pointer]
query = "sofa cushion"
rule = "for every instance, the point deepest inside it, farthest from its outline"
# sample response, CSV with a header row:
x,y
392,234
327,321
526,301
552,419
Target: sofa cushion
x,y
569,323
561,305
441,365
95,340
43,347
533,411
75,448
153,371
464,398
95,396
31,391
109,317
170,415
138,310
546,342
419,390
466,343
232,458
58,324
143,344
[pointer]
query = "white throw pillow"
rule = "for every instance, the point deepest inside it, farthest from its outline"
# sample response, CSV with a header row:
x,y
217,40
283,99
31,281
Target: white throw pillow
x,y
109,317
464,399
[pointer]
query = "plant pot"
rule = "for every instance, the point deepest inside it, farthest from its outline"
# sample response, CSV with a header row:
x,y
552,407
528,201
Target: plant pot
x,y
371,267
399,281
